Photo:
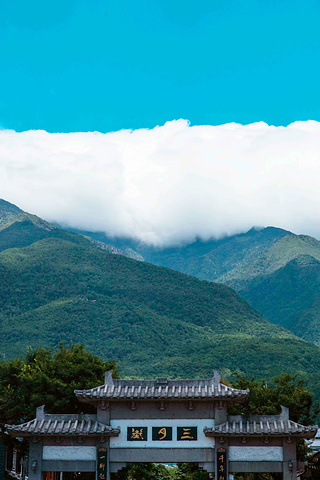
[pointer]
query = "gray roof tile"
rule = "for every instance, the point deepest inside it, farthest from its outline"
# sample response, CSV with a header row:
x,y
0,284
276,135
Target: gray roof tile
x,y
275,425
168,389
58,425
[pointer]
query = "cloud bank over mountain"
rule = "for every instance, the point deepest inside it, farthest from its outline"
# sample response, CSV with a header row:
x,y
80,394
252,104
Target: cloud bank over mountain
x,y
169,184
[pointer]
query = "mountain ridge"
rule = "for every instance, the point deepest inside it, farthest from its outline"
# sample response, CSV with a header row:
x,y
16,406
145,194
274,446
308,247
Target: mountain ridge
x,y
253,263
153,320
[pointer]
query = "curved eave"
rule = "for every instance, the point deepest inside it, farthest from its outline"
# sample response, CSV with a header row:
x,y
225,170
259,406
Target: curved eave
x,y
307,434
91,398
16,432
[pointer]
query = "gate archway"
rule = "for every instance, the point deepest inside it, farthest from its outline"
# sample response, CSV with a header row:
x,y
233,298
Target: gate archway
x,y
162,421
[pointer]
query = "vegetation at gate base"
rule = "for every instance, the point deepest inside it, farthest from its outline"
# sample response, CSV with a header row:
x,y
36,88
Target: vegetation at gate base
x,y
183,471
151,471
57,286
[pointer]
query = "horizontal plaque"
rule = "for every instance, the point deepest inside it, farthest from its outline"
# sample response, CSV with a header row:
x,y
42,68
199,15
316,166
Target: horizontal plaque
x,y
255,454
68,452
137,434
187,433
162,433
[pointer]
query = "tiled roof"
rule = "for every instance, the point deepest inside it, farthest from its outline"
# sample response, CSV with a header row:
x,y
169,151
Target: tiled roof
x,y
57,425
161,389
274,425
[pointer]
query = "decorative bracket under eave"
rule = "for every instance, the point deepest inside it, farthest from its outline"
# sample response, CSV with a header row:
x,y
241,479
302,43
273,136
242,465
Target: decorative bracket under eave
x,y
104,405
220,405
162,405
191,405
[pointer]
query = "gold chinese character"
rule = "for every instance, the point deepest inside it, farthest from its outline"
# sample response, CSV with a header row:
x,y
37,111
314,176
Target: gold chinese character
x,y
102,466
137,434
102,476
221,458
163,432
102,449
186,434
222,477
221,469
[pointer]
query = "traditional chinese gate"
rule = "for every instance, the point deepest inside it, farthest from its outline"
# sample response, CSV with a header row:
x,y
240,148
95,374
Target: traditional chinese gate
x,y
162,421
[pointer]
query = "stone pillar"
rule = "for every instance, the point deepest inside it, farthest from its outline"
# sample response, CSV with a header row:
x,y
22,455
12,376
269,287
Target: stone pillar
x,y
103,407
104,416
289,459
220,413
103,412
105,470
108,459
35,460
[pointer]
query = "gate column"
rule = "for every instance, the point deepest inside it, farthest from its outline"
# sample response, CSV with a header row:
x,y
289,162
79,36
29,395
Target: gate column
x,y
35,460
289,459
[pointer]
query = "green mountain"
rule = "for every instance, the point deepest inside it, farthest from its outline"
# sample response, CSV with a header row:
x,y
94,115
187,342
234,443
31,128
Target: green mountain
x,y
58,286
207,260
275,270
289,296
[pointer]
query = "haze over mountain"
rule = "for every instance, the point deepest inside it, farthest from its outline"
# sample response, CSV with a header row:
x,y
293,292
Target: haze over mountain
x,y
59,286
277,271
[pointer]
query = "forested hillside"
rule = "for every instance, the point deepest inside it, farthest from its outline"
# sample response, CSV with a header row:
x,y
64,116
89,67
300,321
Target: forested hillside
x,y
153,320
277,271
295,292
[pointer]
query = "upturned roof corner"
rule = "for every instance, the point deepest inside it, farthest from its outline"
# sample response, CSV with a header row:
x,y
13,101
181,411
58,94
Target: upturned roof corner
x,y
40,415
284,415
216,377
108,380
162,388
61,425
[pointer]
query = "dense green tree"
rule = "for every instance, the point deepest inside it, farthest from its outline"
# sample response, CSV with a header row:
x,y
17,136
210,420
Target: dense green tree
x,y
266,398
50,378
151,471
145,471
190,471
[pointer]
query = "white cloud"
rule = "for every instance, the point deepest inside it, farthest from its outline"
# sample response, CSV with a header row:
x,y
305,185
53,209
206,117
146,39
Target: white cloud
x,y
171,183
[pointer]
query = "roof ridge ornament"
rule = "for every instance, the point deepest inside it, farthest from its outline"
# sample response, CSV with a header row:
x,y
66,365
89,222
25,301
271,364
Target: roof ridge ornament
x,y
162,380
40,412
284,415
216,377
108,380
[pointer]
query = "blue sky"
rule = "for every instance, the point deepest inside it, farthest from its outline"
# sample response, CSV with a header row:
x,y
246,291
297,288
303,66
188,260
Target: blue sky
x,y
75,65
